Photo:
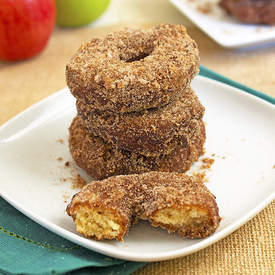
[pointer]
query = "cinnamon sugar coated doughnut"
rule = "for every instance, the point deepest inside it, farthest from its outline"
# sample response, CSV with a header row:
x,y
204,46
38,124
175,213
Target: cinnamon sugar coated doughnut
x,y
133,69
149,132
176,202
101,159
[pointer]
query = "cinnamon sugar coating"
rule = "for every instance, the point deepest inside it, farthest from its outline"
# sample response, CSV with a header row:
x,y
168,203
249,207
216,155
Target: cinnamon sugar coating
x,y
176,202
133,69
149,132
101,159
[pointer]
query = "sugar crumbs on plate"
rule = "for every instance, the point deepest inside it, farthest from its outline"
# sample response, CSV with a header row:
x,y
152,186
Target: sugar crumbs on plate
x,y
66,197
207,163
78,182
200,177
60,140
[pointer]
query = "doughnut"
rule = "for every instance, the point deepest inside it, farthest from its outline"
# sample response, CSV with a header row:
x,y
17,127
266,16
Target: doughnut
x,y
101,160
149,132
251,11
176,202
132,70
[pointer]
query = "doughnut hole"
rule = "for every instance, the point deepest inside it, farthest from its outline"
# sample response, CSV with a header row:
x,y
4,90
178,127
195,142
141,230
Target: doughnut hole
x,y
99,223
140,56
131,56
188,218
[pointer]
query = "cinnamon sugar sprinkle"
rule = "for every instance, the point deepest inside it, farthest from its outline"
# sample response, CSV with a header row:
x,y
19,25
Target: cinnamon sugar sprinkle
x,y
66,197
207,163
78,182
200,177
61,141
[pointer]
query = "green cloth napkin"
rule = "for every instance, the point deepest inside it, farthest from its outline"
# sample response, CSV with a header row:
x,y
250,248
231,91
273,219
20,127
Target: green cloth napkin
x,y
210,74
28,248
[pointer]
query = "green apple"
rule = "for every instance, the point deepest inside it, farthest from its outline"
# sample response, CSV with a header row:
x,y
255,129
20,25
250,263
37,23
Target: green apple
x,y
73,13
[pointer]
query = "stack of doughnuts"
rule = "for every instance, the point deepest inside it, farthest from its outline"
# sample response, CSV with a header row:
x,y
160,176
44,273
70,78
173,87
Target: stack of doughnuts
x,y
136,111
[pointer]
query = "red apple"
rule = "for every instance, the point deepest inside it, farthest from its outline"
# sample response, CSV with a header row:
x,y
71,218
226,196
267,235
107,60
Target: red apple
x,y
25,27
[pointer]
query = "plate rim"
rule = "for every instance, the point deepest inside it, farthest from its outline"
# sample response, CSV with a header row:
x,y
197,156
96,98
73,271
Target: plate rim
x,y
124,254
130,256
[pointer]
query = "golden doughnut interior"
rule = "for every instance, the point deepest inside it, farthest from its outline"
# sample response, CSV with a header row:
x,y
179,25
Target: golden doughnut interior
x,y
98,223
174,201
180,217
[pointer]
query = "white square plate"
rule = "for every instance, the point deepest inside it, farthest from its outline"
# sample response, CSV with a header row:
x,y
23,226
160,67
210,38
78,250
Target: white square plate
x,y
224,29
240,132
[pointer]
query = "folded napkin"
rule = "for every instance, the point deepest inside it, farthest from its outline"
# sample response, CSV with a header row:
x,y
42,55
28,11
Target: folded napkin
x,y
28,248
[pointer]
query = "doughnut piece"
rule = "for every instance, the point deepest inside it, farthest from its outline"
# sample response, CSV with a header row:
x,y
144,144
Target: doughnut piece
x,y
133,69
251,11
176,202
102,160
102,211
150,132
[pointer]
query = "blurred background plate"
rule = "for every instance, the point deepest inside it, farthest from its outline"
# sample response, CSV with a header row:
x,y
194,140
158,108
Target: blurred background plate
x,y
224,29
